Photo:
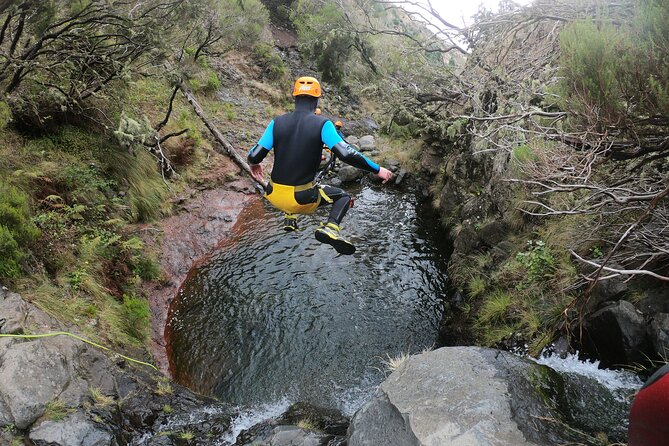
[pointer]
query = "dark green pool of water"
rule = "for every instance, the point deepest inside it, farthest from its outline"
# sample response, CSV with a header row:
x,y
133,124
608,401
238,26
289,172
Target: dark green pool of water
x,y
276,317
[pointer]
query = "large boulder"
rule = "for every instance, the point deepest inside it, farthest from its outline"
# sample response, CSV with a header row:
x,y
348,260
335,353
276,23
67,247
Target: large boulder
x,y
616,334
474,396
360,127
658,332
367,143
73,430
348,174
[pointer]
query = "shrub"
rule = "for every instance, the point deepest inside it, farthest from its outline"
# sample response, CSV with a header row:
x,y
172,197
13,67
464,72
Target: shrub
x,y
538,260
268,59
611,74
10,255
17,231
148,195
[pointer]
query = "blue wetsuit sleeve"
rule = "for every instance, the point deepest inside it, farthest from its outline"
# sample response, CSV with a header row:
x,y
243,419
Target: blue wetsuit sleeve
x,y
344,151
260,150
329,135
267,138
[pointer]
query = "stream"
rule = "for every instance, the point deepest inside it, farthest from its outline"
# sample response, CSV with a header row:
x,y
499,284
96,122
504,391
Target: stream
x,y
273,317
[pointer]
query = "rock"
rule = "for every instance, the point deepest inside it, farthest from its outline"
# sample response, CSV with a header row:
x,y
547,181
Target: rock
x,y
294,436
400,176
367,143
13,312
74,430
392,164
131,404
349,173
658,332
335,181
616,335
468,396
327,427
492,233
325,420
591,408
361,127
503,250
353,140
449,201
33,374
609,290
654,300
431,160
467,240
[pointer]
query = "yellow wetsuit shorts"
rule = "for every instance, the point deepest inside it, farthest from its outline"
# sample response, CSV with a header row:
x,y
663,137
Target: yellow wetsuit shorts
x,y
283,197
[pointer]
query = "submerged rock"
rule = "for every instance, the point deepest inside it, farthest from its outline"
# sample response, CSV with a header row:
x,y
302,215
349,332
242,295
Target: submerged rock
x,y
303,424
474,396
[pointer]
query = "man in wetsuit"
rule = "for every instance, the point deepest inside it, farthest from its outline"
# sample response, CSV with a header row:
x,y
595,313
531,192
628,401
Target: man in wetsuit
x,y
297,139
649,414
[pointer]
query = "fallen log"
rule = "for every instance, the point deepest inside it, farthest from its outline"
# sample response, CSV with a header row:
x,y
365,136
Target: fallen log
x,y
223,147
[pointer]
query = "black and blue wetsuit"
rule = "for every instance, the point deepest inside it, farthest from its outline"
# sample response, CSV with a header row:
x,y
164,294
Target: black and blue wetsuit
x,y
297,139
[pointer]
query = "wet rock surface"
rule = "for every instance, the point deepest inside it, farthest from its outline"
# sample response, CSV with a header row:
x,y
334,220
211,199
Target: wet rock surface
x,y
470,395
60,391
204,218
617,335
303,424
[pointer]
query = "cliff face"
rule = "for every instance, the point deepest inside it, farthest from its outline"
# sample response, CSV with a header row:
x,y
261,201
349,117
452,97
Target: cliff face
x,y
505,132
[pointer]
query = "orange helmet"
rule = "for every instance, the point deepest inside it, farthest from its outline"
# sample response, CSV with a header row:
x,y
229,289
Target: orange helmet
x,y
308,86
338,124
317,111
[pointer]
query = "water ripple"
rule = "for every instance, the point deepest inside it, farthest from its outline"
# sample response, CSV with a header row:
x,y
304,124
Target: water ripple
x,y
277,316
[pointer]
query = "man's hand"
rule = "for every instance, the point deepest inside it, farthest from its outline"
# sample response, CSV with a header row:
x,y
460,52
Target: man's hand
x,y
256,171
384,174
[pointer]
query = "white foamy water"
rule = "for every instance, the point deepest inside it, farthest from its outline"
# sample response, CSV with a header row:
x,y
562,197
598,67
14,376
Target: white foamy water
x,y
614,380
249,417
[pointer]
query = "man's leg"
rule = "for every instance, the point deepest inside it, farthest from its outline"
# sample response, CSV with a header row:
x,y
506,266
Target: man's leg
x,y
329,233
341,202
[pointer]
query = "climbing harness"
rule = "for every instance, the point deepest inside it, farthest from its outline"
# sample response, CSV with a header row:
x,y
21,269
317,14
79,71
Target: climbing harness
x,y
65,333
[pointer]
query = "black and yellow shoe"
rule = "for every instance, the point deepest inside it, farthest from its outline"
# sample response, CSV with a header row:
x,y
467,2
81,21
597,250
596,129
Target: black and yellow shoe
x,y
330,234
290,222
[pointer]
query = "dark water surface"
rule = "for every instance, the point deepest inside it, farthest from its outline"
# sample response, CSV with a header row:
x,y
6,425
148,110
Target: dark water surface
x,y
279,317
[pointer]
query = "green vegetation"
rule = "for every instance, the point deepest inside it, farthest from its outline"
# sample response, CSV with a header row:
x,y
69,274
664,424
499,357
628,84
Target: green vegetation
x,y
308,424
136,316
56,410
79,166
613,72
520,298
163,386
187,435
99,398
16,230
272,65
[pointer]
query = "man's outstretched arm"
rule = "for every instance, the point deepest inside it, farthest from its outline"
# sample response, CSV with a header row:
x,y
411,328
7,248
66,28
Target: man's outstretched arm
x,y
349,155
